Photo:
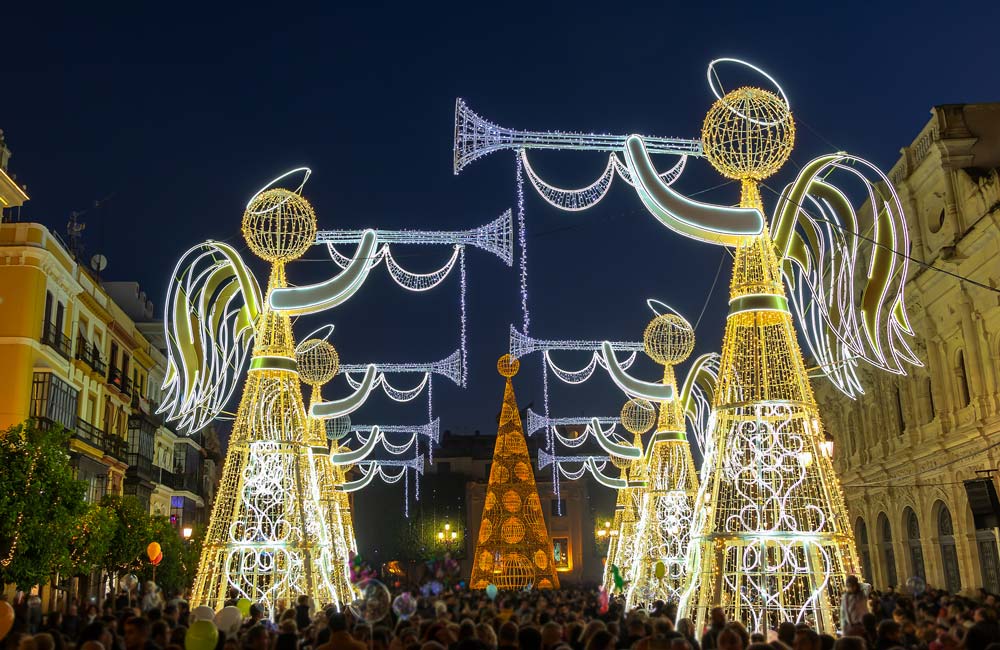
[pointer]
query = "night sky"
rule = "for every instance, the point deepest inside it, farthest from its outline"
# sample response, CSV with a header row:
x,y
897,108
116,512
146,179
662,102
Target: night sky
x,y
176,114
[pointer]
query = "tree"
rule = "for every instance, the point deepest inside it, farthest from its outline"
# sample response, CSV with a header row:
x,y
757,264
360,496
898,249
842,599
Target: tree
x,y
180,559
130,536
39,502
90,540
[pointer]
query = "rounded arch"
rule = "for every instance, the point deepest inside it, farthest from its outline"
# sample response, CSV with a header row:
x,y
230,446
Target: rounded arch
x,y
887,553
911,534
945,528
964,396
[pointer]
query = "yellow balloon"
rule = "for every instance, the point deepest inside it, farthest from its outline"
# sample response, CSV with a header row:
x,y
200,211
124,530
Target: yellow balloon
x,y
153,550
659,570
202,635
6,618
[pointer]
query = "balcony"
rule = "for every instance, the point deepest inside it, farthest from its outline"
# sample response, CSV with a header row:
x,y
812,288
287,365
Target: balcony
x,y
52,337
177,480
118,379
114,446
139,466
89,354
147,408
88,433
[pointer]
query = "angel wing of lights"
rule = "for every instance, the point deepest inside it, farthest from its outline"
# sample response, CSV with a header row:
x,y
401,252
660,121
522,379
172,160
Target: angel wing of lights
x,y
213,304
846,286
697,394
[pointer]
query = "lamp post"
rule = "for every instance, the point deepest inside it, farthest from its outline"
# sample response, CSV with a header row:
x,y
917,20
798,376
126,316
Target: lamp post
x,y
447,536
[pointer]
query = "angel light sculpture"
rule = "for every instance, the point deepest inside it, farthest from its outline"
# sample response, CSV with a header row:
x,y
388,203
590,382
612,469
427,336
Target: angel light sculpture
x,y
771,538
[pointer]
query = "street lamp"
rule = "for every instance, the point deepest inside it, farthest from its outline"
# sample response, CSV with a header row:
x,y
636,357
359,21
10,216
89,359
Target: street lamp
x,y
186,532
447,536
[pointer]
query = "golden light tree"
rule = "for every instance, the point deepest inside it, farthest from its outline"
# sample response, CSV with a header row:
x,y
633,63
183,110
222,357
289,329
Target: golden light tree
x,y
621,548
318,363
513,550
269,538
659,570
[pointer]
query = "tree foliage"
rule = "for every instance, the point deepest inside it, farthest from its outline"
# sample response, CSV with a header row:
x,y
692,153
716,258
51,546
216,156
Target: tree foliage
x,y
130,536
180,559
40,501
90,540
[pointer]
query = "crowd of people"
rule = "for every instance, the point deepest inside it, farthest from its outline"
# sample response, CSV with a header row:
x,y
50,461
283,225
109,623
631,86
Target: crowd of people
x,y
568,619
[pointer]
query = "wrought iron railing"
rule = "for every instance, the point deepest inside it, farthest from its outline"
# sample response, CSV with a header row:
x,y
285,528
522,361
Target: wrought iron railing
x,y
88,353
118,379
52,337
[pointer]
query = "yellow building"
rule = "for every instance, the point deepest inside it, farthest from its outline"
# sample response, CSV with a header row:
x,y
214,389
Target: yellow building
x,y
905,449
72,353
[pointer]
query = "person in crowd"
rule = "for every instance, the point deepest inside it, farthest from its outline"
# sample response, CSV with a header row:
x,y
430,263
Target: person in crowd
x,y
717,622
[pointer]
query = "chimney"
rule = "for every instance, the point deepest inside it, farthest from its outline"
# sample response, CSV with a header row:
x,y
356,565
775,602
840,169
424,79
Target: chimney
x,y
4,152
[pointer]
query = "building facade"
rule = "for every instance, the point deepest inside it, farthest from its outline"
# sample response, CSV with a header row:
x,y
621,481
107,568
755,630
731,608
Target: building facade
x,y
73,355
906,447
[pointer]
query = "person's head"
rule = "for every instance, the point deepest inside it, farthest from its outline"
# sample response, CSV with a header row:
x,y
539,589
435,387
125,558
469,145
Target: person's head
x,y
486,634
529,638
256,612
850,643
158,633
552,634
601,640
757,637
786,633
44,641
466,629
717,617
303,600
686,627
806,639
92,645
380,638
680,643
54,618
336,622
256,638
136,633
888,629
178,635
507,635
852,584
729,639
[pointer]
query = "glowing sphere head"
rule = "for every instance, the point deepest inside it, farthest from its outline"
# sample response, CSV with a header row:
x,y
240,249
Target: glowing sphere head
x,y
668,339
748,134
508,366
638,415
318,361
279,225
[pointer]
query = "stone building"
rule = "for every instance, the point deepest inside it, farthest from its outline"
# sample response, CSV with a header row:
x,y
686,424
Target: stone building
x,y
905,448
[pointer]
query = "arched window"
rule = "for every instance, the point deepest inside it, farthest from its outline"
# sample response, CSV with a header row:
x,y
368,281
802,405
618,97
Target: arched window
x,y
899,411
929,391
962,379
861,534
888,555
913,542
949,557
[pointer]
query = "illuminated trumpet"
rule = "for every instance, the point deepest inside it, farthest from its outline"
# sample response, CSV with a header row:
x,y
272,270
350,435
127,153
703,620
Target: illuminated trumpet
x,y
496,237
431,430
450,367
521,345
537,421
476,137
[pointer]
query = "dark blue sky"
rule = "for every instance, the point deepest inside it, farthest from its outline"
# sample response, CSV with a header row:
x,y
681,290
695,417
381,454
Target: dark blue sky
x,y
180,112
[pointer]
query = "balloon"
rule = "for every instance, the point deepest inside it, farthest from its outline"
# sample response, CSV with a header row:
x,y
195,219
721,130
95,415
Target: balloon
x,y
491,591
373,601
228,620
243,604
203,613
156,560
153,550
202,635
916,585
616,575
129,582
6,618
602,601
404,605
660,570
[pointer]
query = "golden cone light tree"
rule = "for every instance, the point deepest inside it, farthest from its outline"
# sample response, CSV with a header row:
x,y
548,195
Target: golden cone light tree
x,y
318,363
513,550
666,504
771,539
269,539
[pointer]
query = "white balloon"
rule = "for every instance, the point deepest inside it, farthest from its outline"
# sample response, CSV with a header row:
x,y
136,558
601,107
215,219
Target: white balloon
x,y
228,620
203,613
